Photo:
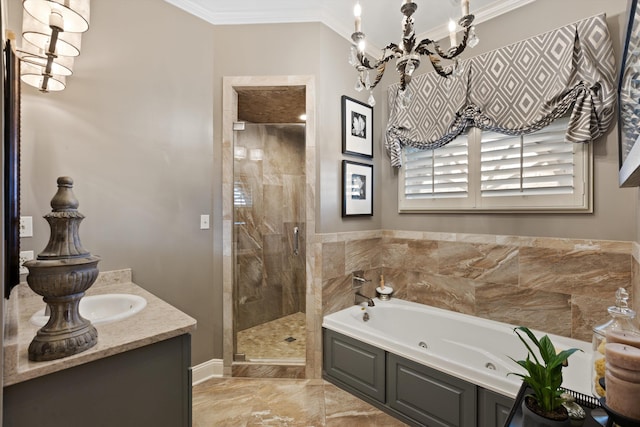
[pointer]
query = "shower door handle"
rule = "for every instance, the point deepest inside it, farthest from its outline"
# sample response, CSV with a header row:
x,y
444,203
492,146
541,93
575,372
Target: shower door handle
x,y
296,240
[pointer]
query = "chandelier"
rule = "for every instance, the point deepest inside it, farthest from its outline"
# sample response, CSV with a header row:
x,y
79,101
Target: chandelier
x,y
408,54
51,35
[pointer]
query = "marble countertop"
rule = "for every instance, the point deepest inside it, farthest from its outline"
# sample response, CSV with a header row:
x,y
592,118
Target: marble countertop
x,y
158,321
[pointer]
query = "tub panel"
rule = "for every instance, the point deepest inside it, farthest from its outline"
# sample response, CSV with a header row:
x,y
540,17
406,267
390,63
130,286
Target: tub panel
x,y
493,408
356,364
429,396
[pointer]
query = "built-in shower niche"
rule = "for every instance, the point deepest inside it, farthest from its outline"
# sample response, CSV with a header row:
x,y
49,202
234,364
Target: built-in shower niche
x,y
269,225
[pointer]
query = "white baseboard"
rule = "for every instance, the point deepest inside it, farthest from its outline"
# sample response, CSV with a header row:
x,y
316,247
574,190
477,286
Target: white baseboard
x,y
213,368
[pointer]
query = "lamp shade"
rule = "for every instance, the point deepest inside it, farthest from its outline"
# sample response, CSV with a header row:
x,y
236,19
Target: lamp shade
x,y
75,13
61,65
39,34
32,75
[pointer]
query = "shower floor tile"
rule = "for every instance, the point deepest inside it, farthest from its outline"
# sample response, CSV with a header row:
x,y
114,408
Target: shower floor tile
x,y
283,338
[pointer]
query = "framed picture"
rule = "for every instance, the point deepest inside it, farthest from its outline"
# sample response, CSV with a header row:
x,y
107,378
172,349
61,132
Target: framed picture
x,y
357,189
357,128
629,102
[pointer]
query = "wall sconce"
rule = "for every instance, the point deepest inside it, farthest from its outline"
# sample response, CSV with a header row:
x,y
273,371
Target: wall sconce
x,y
51,36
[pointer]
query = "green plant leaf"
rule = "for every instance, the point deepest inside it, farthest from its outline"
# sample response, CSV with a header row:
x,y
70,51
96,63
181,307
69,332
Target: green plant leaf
x,y
544,379
547,350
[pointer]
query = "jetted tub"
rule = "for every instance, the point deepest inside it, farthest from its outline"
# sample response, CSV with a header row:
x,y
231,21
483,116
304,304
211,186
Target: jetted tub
x,y
470,348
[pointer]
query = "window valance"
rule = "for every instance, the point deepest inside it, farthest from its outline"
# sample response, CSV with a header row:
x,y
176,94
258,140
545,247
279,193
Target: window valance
x,y
514,90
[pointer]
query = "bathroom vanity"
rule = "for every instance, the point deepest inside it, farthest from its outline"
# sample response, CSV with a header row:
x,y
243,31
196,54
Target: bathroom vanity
x,y
137,375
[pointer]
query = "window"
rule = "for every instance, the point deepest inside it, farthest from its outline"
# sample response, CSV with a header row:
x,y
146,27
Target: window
x,y
488,171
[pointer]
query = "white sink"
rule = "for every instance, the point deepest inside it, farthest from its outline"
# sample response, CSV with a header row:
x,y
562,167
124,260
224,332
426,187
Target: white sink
x,y
100,309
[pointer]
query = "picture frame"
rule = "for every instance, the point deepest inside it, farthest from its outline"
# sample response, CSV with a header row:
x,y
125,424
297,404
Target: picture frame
x,y
629,102
357,189
357,128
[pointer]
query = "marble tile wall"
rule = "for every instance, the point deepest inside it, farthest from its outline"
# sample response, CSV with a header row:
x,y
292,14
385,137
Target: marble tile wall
x,y
562,286
269,202
635,279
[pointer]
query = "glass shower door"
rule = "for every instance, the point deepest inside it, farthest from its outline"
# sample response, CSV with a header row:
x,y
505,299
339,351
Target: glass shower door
x,y
269,280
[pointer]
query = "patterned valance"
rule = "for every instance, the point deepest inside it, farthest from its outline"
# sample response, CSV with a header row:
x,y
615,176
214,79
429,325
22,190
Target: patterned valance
x,y
514,90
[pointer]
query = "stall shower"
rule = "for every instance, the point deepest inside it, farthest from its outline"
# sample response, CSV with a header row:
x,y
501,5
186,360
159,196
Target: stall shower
x,y
269,233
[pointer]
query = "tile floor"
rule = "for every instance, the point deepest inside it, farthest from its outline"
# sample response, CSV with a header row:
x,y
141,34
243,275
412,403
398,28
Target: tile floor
x,y
272,340
248,402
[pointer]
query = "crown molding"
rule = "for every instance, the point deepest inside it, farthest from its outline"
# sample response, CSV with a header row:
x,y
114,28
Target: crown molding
x,y
481,15
281,11
276,12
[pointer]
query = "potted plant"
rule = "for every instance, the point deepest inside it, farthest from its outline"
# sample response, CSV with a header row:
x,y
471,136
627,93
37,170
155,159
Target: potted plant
x,y
544,405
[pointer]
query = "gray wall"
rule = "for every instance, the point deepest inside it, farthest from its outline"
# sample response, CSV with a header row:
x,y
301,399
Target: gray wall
x,y
139,129
615,210
134,129
300,49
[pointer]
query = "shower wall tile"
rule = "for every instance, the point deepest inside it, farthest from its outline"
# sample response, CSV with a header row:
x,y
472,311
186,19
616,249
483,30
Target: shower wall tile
x,y
273,272
273,244
293,198
400,279
577,272
545,311
336,294
362,254
561,286
635,280
333,260
411,254
486,262
286,150
272,220
450,293
260,309
587,312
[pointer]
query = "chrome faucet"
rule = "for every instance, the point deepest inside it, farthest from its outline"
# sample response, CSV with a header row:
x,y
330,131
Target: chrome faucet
x,y
369,301
357,279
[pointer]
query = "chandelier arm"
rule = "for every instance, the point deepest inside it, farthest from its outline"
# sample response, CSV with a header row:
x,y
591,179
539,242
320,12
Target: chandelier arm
x,y
435,62
422,47
454,51
380,72
379,75
394,51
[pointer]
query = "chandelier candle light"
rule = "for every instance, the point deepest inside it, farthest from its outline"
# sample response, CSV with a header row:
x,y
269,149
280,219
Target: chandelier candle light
x,y
408,54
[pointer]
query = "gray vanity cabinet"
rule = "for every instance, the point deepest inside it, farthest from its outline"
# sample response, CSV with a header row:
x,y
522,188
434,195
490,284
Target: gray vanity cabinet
x,y
356,364
429,396
146,386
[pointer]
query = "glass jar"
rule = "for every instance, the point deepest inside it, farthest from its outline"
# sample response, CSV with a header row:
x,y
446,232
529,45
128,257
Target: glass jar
x,y
622,320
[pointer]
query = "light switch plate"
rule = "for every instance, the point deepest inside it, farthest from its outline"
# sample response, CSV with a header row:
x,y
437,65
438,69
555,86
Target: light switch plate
x,y
204,222
26,226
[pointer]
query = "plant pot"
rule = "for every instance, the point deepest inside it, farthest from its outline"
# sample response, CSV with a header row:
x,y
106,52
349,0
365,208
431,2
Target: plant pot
x,y
532,419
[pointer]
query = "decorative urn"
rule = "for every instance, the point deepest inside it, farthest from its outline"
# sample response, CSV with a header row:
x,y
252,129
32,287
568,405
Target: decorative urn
x,y
62,273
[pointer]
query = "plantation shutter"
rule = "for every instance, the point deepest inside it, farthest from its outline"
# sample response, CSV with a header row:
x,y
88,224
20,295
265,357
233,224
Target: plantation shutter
x,y
441,173
535,164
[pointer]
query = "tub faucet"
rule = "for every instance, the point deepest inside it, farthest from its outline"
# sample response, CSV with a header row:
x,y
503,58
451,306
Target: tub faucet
x,y
357,279
366,298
